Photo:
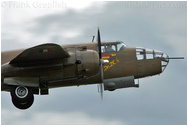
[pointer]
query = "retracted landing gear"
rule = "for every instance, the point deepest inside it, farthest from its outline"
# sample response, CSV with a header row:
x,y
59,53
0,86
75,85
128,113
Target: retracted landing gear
x,y
22,97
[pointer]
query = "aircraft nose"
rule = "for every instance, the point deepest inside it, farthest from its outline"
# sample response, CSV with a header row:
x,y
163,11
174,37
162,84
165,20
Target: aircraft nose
x,y
144,53
164,58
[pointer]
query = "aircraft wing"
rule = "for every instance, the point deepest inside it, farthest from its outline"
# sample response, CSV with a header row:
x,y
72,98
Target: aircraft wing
x,y
7,56
41,54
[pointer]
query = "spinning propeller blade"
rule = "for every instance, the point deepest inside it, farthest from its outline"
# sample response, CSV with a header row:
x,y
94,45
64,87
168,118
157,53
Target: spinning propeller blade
x,y
99,44
101,65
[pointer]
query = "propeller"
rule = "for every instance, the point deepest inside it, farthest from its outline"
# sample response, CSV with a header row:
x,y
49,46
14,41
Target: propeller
x,y
99,44
100,86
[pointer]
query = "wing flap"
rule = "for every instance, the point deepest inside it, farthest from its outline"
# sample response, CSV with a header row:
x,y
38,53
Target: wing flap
x,y
40,54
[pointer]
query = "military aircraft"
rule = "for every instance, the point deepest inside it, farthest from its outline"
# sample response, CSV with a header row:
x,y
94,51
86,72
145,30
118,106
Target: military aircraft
x,y
112,65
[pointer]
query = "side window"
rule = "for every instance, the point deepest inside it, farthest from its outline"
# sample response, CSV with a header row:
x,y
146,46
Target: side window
x,y
114,47
120,46
110,48
103,49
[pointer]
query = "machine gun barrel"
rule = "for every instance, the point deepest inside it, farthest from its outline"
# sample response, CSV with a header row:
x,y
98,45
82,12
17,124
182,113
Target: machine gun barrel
x,y
176,58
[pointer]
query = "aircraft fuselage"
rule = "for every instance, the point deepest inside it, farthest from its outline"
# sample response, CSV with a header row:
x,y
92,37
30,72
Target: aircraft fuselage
x,y
123,62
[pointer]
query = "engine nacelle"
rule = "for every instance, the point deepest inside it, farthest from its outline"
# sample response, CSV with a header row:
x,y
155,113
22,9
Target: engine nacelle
x,y
87,62
117,83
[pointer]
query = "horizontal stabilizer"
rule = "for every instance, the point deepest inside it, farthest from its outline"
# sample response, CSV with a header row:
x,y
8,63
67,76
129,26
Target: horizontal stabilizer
x,y
40,54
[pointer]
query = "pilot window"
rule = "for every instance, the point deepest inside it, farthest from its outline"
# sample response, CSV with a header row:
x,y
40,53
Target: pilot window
x,y
120,46
114,47
108,48
103,49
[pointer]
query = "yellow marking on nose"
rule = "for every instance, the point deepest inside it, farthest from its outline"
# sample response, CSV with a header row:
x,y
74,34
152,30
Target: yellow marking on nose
x,y
113,54
105,57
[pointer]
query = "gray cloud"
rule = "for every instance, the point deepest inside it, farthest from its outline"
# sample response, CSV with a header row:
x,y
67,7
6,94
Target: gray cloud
x,y
159,100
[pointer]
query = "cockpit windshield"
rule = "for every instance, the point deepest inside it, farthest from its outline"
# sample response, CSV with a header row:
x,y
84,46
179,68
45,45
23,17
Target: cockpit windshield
x,y
120,46
112,47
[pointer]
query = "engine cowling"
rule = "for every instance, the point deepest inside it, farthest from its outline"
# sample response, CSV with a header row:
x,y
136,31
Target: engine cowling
x,y
87,62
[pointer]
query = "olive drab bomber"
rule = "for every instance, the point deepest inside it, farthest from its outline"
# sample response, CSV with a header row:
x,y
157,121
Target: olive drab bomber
x,y
112,65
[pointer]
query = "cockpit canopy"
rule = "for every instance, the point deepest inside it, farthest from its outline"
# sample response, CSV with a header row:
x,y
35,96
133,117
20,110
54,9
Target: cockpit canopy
x,y
112,47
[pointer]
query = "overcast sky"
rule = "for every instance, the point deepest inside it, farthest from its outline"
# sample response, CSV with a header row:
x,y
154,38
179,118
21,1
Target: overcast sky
x,y
156,25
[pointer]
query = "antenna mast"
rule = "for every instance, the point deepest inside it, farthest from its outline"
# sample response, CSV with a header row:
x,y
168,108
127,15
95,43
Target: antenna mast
x,y
93,38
